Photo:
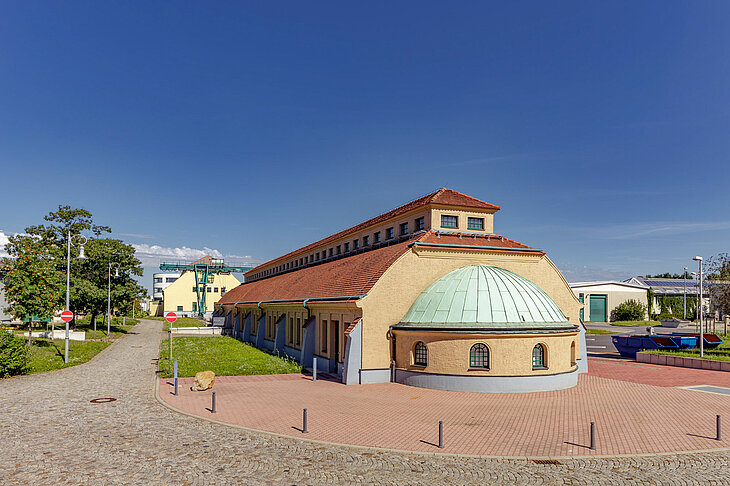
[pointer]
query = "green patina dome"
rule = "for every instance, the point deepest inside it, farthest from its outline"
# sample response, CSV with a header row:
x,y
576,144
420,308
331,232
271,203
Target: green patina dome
x,y
483,298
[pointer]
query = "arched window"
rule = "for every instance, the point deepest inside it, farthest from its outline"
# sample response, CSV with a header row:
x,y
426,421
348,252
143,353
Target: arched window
x,y
538,357
572,354
479,356
420,354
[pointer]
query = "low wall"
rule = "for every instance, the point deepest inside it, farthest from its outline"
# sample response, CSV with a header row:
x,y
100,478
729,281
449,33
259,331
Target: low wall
x,y
199,331
683,362
59,334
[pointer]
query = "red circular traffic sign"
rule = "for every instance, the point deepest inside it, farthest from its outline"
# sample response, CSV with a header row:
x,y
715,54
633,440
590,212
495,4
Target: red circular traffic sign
x,y
67,315
171,317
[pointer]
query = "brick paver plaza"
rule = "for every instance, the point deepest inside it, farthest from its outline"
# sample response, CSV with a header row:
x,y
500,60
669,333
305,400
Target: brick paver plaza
x,y
52,433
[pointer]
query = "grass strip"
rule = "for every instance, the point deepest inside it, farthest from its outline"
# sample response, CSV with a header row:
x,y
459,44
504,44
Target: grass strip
x,y
223,355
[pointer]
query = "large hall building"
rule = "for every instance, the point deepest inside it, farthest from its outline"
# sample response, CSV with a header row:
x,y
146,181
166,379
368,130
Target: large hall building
x,y
426,294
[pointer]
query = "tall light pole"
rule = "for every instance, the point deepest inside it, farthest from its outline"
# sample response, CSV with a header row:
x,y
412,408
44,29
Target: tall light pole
x,y
109,297
698,259
684,277
68,285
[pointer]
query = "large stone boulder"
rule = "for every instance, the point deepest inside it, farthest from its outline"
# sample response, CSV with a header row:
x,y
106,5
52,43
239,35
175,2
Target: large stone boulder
x,y
203,381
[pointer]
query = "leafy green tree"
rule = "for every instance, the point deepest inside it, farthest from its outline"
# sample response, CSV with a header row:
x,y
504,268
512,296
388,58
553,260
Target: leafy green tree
x,y
718,276
88,288
33,287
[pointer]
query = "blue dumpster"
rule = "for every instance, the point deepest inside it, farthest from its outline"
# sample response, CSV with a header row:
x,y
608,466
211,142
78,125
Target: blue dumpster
x,y
629,344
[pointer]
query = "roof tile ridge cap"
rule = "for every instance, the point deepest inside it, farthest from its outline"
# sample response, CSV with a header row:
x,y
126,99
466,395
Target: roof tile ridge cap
x,y
471,197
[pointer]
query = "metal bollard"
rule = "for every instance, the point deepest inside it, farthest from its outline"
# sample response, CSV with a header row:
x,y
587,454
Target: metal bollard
x,y
314,370
169,354
441,434
212,405
175,370
719,428
593,436
304,422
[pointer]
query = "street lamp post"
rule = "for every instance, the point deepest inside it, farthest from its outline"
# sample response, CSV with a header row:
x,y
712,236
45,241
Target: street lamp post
x,y
109,297
684,277
68,284
698,259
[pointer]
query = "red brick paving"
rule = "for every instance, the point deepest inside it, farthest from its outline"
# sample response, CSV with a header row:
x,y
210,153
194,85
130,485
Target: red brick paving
x,y
631,417
655,374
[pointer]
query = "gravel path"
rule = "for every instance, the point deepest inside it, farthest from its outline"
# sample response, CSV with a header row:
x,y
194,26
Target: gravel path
x,y
52,434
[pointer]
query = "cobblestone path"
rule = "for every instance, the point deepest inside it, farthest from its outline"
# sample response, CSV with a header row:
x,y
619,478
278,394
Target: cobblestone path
x,y
52,434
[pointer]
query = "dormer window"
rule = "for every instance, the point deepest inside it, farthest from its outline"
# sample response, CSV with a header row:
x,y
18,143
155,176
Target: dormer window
x,y
449,221
475,224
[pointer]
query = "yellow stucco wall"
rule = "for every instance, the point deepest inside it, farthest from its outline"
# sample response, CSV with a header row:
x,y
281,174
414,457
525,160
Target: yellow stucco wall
x,y
463,216
509,354
391,297
180,292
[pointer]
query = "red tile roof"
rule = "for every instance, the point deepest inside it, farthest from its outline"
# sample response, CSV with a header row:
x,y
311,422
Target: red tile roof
x,y
352,275
442,196
472,239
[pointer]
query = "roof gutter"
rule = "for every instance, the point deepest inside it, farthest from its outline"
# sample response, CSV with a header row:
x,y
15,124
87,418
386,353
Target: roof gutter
x,y
481,247
303,301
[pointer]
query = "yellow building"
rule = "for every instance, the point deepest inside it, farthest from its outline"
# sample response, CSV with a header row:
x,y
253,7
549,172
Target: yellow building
x,y
181,297
426,294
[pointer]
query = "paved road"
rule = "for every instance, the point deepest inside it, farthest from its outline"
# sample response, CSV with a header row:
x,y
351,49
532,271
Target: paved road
x,y
52,434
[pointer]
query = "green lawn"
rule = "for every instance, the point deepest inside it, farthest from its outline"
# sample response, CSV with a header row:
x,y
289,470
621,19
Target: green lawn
x,y
117,330
47,354
635,323
720,353
599,331
223,355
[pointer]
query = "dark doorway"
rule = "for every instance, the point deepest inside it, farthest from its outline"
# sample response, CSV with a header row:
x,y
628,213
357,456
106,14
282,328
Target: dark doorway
x,y
335,346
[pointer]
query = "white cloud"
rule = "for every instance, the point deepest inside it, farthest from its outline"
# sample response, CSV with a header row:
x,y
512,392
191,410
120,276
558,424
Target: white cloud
x,y
153,255
3,241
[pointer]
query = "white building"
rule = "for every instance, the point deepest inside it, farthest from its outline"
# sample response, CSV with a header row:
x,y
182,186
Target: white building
x,y
160,281
601,298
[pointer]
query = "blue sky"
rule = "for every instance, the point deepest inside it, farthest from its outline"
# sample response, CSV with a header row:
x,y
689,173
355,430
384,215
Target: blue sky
x,y
253,128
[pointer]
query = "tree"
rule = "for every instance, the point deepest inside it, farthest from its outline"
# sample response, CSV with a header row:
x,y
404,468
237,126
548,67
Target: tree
x,y
88,286
717,277
89,289
32,285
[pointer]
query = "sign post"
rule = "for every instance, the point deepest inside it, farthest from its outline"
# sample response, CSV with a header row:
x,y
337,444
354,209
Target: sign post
x,y
170,317
66,316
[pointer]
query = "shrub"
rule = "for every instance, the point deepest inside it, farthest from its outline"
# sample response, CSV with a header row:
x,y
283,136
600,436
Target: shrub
x,y
13,355
631,310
